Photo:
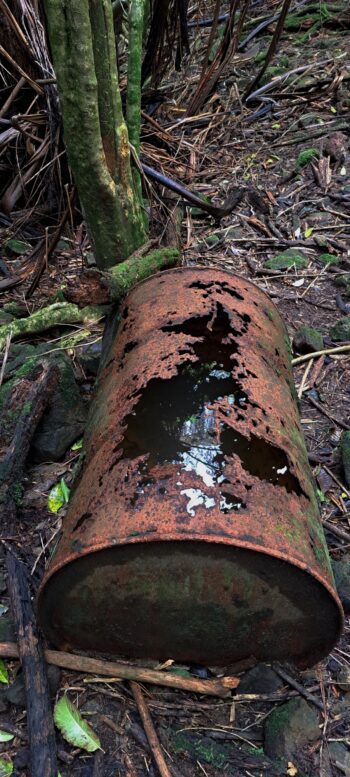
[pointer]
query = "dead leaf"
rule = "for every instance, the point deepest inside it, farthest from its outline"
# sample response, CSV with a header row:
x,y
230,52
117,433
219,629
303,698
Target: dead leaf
x,y
322,172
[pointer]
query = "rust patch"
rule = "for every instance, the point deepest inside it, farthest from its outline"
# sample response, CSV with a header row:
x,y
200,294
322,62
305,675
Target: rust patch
x,y
194,443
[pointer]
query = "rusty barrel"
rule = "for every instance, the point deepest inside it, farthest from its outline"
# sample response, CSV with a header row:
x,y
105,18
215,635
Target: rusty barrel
x,y
194,531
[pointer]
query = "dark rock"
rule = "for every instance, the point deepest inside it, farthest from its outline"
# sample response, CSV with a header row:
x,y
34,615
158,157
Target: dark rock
x,y
340,331
332,664
54,675
336,146
89,357
64,420
15,694
21,759
289,728
7,630
341,571
260,679
340,754
343,678
345,455
5,318
307,339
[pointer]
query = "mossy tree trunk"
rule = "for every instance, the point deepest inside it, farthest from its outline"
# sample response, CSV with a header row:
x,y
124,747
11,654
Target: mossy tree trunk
x,y
96,136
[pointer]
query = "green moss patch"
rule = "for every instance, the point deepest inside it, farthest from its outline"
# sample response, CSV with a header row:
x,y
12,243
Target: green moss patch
x,y
305,157
286,260
329,259
340,331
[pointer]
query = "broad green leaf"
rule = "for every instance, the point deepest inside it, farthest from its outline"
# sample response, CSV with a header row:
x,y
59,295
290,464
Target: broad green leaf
x,y
73,727
5,736
180,672
77,445
13,246
4,675
308,232
6,767
65,490
58,496
321,496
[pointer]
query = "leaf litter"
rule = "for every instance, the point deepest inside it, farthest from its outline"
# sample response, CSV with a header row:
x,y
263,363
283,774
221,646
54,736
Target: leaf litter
x,y
283,148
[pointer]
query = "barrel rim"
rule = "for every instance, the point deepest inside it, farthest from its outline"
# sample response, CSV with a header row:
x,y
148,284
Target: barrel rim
x,y
193,537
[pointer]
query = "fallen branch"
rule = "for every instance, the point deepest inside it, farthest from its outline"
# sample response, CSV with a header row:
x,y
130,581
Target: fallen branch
x,y
112,285
221,687
102,287
41,732
218,211
272,48
306,356
58,313
298,687
150,731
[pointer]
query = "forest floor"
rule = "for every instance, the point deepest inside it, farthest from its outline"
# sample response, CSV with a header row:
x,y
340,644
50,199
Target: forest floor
x,y
290,234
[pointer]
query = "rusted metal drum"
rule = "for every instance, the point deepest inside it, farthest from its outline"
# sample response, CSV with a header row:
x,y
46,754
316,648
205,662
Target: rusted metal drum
x,y
194,532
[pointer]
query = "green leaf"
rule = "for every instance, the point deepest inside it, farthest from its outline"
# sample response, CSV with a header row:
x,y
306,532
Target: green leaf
x,y
65,491
14,246
5,736
179,671
6,767
4,675
77,445
321,496
58,496
73,727
308,232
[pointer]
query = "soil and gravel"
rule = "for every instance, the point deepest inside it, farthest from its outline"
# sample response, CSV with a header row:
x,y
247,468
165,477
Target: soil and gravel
x,y
289,149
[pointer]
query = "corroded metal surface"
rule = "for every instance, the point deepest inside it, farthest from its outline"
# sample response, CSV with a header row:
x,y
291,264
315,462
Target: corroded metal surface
x,y
194,531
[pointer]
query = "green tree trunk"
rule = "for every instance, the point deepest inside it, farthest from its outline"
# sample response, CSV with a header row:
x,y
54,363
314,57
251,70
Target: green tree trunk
x,y
96,136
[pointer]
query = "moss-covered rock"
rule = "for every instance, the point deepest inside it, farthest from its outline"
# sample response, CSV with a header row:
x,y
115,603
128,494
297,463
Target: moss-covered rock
x,y
307,339
329,259
341,572
260,679
343,281
289,728
305,157
64,421
286,260
15,309
5,318
340,331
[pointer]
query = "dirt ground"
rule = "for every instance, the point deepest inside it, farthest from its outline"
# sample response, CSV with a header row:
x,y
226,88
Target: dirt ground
x,y
294,202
